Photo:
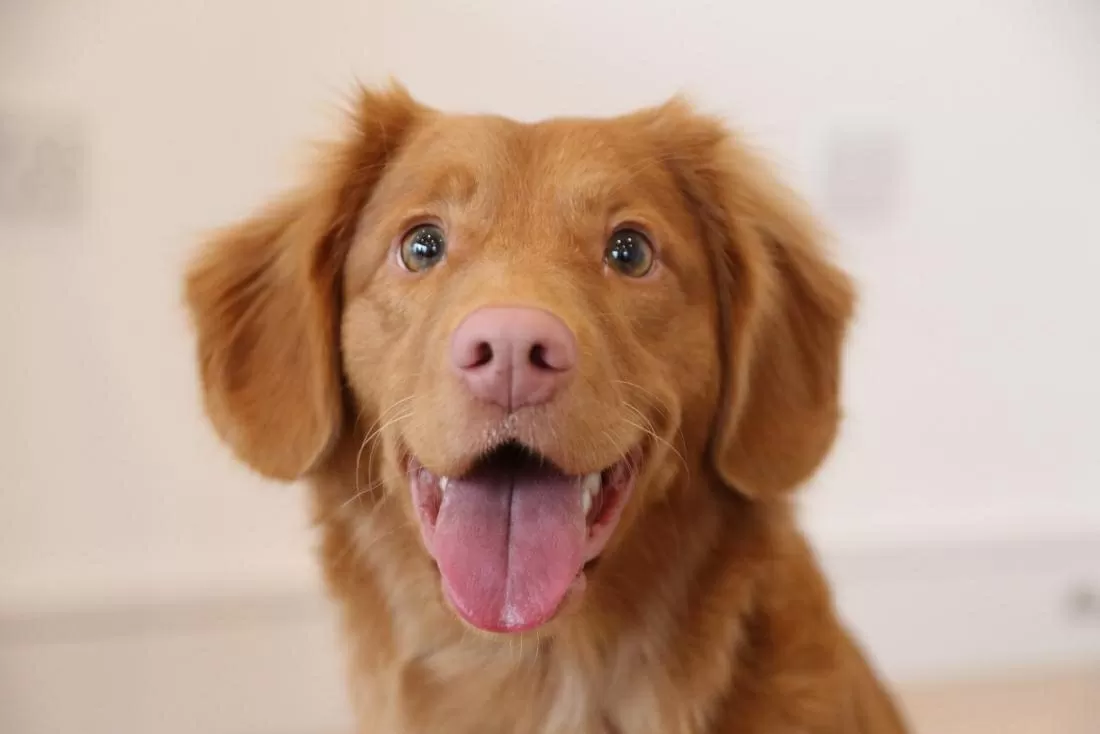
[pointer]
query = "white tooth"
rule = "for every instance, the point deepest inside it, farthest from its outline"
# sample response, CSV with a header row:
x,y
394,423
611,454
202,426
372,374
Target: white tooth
x,y
590,487
591,484
443,482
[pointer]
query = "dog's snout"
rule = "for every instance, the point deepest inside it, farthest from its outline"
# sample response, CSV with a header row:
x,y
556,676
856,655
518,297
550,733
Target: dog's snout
x,y
513,357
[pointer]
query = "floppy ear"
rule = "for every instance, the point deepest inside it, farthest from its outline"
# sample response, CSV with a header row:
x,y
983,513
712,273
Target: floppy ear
x,y
783,310
263,296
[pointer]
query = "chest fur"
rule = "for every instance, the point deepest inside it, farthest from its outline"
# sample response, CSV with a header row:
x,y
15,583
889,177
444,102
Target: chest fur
x,y
522,691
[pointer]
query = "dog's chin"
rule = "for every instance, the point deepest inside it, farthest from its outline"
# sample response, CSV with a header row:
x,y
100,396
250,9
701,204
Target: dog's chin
x,y
513,536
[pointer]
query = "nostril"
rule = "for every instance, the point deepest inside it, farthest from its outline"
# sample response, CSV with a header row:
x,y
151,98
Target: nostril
x,y
541,358
483,355
537,357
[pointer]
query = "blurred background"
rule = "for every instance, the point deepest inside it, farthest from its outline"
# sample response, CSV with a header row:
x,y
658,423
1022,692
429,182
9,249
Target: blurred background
x,y
148,583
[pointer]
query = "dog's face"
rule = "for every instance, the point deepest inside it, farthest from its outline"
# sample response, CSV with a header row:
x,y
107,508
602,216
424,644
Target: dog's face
x,y
535,333
526,314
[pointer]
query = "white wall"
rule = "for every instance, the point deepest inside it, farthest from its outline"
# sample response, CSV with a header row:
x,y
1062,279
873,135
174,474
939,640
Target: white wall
x,y
189,116
972,386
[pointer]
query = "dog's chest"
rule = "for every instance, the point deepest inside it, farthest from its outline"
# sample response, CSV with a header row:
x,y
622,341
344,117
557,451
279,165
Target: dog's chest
x,y
533,696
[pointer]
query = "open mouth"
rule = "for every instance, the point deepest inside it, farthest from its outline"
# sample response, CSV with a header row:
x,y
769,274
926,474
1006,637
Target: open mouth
x,y
512,536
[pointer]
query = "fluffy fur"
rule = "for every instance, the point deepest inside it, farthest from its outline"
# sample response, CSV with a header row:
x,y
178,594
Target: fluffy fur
x,y
320,358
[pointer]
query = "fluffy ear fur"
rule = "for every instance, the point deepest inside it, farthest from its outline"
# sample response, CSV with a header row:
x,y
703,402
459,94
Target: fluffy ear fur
x,y
263,296
783,309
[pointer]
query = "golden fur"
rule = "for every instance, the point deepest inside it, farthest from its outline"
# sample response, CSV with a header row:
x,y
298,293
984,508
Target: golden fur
x,y
707,612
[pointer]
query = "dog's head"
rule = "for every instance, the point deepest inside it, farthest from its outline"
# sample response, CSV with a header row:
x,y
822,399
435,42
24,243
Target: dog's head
x,y
541,330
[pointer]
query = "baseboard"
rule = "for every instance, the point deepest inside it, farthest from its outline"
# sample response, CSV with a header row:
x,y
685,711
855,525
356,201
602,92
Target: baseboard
x,y
268,662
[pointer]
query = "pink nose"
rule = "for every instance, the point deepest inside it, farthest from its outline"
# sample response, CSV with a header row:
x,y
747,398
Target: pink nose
x,y
513,356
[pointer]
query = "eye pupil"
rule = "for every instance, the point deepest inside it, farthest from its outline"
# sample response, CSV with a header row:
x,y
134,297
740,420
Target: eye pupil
x,y
423,247
625,248
629,252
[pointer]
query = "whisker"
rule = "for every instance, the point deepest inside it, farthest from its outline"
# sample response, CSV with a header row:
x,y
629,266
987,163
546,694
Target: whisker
x,y
369,439
655,401
661,439
381,415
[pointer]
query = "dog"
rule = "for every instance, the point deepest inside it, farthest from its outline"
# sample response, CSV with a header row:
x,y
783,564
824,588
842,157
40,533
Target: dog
x,y
553,386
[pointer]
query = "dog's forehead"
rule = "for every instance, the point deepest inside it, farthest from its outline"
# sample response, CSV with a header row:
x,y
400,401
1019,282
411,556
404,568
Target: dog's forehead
x,y
573,161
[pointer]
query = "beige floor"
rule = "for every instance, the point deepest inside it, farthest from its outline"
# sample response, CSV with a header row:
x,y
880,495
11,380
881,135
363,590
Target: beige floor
x,y
1064,702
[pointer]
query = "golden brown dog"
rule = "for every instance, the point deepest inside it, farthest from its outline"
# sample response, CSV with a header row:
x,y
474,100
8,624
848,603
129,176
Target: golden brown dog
x,y
553,385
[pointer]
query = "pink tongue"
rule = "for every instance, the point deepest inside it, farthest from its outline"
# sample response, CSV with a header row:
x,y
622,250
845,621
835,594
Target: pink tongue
x,y
509,545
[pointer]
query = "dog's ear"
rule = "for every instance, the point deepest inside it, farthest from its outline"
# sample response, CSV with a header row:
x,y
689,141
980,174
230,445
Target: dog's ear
x,y
264,299
783,308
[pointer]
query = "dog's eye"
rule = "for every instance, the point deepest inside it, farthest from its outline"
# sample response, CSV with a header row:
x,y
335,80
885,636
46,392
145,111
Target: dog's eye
x,y
629,252
422,248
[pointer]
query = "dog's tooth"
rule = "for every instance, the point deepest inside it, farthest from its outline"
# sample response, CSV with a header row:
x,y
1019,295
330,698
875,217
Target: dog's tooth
x,y
591,484
443,482
586,502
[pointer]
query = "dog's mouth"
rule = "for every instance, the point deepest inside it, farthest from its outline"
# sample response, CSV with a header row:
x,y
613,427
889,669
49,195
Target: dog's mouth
x,y
513,535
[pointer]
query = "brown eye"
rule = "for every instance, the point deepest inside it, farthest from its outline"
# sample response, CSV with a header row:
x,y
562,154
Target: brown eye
x,y
629,252
423,248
